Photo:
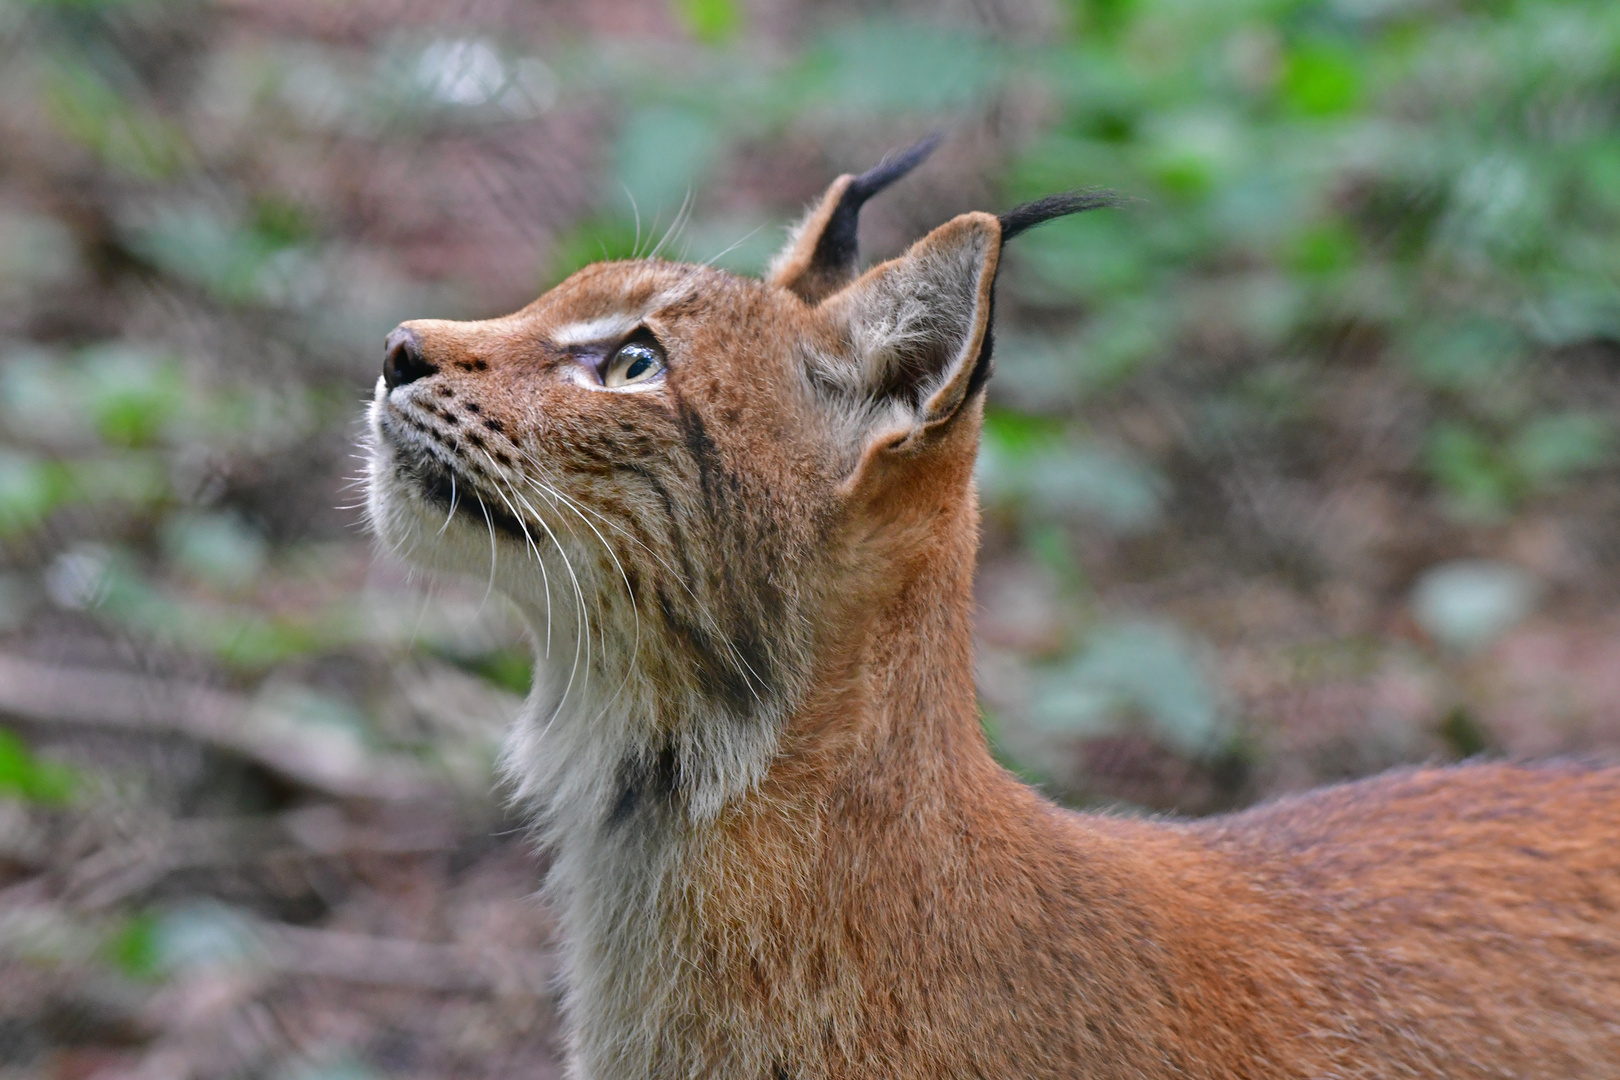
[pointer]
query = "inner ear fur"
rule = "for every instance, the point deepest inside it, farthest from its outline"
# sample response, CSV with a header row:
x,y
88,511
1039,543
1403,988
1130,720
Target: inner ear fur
x,y
917,333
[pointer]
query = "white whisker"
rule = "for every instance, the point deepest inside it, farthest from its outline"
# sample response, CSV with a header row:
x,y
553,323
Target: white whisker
x,y
739,242
452,512
679,222
636,210
538,558
635,609
750,676
582,622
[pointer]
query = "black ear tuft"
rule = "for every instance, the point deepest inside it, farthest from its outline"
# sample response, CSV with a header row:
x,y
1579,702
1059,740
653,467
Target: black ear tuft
x,y
1023,218
836,250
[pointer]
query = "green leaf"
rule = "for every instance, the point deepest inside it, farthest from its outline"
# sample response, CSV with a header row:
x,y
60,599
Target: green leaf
x,y
1018,433
1468,354
1321,79
133,948
133,394
1025,461
713,22
1471,469
1323,249
509,669
1190,151
742,246
597,239
239,263
1090,256
29,490
30,778
1093,480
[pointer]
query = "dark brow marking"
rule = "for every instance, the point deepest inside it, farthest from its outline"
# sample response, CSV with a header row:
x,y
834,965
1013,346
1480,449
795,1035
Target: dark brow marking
x,y
677,536
713,476
720,675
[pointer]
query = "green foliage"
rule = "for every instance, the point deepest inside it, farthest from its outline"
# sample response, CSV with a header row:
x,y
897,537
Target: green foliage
x,y
713,22
216,548
128,138
1135,672
1487,476
153,944
1032,466
510,669
1321,79
1552,448
30,778
598,239
133,396
133,947
884,66
253,261
662,155
29,490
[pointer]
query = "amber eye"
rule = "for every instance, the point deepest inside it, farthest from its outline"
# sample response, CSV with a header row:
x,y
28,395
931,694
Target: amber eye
x,y
635,362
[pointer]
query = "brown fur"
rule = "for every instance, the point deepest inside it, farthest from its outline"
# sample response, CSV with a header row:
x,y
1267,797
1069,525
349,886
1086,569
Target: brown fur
x,y
782,848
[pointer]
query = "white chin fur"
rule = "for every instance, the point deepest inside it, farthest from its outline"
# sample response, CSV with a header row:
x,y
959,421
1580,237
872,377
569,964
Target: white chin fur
x,y
432,537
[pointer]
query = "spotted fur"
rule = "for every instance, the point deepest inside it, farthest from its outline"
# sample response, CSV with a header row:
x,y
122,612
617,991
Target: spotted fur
x,y
780,847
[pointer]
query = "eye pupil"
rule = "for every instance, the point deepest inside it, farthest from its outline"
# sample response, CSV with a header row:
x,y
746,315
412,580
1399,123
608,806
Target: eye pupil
x,y
634,362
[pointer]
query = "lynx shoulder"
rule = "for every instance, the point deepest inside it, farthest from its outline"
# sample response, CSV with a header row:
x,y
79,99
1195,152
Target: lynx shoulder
x,y
739,516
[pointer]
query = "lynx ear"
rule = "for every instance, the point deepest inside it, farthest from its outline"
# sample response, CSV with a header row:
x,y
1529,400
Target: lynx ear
x,y
917,329
918,334
820,256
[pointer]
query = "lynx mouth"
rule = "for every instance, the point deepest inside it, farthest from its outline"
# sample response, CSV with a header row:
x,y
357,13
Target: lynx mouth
x,y
454,491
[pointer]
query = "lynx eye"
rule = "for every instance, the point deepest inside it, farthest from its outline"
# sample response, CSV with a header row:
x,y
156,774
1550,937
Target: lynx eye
x,y
634,362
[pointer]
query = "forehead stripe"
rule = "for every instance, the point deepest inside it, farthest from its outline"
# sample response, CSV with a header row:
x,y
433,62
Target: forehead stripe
x,y
590,330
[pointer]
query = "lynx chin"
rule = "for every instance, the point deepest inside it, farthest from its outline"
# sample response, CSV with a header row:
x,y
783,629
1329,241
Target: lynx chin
x,y
740,519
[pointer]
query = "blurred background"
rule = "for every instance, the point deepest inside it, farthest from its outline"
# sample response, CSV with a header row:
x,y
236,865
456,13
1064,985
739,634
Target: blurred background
x,y
1299,466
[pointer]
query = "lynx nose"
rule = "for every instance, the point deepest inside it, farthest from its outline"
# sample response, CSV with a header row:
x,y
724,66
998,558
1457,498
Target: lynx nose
x,y
403,361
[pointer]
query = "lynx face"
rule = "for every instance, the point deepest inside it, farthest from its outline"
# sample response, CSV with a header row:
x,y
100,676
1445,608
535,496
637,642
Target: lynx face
x,y
683,478
633,459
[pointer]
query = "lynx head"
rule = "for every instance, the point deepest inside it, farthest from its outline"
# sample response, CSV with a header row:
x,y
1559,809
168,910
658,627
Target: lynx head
x,y
693,483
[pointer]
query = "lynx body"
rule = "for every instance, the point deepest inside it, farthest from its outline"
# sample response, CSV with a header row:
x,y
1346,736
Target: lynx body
x,y
741,520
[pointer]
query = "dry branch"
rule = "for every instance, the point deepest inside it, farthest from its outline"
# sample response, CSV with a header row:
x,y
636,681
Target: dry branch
x,y
52,695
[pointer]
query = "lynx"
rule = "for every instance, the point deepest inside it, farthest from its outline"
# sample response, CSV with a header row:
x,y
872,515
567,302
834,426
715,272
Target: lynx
x,y
740,518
